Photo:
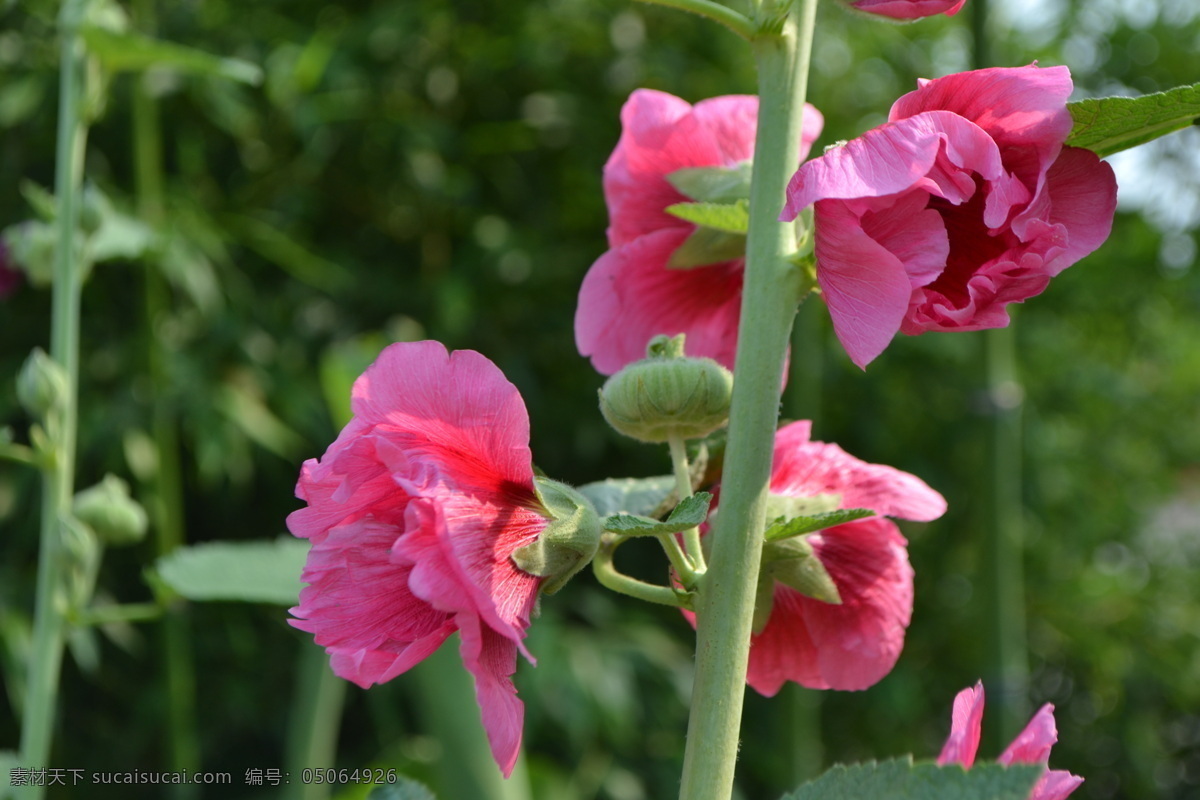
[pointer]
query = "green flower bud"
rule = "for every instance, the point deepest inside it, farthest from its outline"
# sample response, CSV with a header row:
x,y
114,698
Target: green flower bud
x,y
667,395
569,541
41,384
108,509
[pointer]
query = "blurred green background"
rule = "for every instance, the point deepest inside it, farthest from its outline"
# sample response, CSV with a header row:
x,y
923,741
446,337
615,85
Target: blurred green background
x,y
432,169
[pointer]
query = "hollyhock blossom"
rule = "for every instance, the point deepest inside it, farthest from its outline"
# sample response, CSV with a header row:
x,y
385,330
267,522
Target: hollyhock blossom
x,y
413,514
631,294
908,9
1032,745
964,202
851,645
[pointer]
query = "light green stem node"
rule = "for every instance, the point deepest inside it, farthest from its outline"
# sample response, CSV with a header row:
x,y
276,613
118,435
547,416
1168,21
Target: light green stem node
x,y
568,542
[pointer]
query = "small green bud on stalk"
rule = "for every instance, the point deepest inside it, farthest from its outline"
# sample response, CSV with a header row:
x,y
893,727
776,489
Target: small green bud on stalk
x,y
41,384
108,509
568,543
668,395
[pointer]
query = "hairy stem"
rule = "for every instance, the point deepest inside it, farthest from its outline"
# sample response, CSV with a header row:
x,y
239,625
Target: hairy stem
x,y
49,625
771,293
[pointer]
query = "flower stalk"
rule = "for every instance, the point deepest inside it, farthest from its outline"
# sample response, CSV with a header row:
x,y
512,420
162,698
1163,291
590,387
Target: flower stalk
x,y
772,291
58,476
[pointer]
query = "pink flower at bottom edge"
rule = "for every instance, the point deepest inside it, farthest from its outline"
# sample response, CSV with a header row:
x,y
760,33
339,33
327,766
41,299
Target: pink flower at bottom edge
x,y
908,9
413,514
1032,745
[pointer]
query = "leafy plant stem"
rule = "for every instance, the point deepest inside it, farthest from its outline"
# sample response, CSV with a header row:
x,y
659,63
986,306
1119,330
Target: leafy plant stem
x,y
771,292
683,485
58,478
166,483
731,19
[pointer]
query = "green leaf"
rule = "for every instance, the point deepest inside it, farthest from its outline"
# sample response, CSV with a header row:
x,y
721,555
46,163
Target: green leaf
x,y
705,246
118,51
688,514
900,779
783,528
713,184
254,572
630,495
1108,125
733,217
404,789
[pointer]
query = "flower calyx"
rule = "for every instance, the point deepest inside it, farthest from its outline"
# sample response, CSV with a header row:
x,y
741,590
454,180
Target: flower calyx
x,y
793,563
667,395
108,509
569,541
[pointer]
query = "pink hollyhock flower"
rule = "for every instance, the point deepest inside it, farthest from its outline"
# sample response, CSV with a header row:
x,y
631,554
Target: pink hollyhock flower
x,y
908,9
964,202
630,294
413,514
852,645
1032,745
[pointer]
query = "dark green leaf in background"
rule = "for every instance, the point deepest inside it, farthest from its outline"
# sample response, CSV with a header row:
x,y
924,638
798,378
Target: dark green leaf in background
x,y
900,779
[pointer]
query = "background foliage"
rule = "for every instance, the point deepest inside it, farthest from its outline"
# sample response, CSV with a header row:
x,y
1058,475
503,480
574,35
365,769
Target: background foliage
x,y
432,169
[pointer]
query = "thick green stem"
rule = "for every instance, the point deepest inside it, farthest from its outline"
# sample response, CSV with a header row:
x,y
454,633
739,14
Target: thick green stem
x,y
313,729
1007,669
731,19
58,484
771,292
166,485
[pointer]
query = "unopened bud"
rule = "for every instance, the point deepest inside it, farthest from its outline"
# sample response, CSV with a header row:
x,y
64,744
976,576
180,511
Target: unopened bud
x,y
569,541
668,395
41,384
108,509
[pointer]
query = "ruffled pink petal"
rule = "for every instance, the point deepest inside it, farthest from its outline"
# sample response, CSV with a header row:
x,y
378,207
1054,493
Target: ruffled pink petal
x,y
804,469
909,9
849,646
1055,784
660,134
499,594
630,295
1022,108
966,722
456,409
492,659
1032,745
359,607
895,158
1083,199
865,287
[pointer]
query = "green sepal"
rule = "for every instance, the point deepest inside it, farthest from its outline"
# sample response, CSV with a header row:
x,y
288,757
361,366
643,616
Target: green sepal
x,y
785,527
42,385
900,779
568,543
705,247
688,514
793,563
732,217
1107,125
109,510
713,184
